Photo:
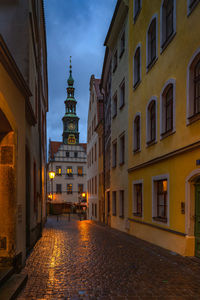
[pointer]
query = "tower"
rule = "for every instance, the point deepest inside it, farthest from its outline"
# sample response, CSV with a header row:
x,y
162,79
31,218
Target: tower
x,y
70,119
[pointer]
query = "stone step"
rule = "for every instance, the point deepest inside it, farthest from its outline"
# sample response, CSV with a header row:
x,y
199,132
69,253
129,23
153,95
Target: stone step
x,y
13,286
5,274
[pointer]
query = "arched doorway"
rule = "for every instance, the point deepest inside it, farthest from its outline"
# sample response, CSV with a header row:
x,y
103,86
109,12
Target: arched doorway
x,y
7,192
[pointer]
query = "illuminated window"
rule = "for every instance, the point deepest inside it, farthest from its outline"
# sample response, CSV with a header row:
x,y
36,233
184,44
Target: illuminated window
x,y
58,170
80,171
69,188
69,171
160,198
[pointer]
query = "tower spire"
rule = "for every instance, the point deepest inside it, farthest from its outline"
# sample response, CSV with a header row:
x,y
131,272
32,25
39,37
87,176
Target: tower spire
x,y
70,80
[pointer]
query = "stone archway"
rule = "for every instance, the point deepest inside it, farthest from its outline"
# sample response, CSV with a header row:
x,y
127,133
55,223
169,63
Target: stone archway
x,y
7,192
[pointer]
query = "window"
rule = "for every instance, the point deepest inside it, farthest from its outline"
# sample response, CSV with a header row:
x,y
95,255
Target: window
x,y
80,188
151,43
122,95
108,203
80,171
95,186
197,88
122,149
95,152
136,134
114,154
75,154
137,67
168,21
137,198
115,61
95,210
69,188
92,155
92,209
92,186
160,201
67,154
136,8
58,188
151,122
168,108
58,170
69,171
114,208
114,110
191,4
121,204
122,44
193,86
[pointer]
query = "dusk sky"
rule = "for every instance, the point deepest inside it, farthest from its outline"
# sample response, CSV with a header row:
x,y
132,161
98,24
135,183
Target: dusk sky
x,y
77,28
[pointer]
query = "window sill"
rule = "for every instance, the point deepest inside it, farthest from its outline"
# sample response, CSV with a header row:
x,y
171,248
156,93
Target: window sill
x,y
136,84
151,64
192,7
159,219
167,42
166,134
137,215
151,143
193,118
135,151
121,54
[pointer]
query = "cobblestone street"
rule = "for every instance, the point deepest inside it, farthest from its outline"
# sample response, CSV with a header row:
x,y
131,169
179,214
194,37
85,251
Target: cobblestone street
x,y
86,260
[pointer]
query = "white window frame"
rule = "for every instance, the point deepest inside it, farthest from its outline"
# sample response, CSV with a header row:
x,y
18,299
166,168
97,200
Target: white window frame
x,y
155,16
135,182
190,85
154,198
134,135
190,9
153,98
162,41
168,82
135,84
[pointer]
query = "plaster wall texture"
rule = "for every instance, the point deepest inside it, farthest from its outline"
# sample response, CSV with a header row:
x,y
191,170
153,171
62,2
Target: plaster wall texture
x,y
171,63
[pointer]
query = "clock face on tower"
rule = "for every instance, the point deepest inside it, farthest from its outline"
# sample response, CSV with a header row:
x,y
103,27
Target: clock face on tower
x,y
71,126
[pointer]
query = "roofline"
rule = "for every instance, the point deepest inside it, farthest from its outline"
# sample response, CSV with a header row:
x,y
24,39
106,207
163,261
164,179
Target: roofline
x,y
112,21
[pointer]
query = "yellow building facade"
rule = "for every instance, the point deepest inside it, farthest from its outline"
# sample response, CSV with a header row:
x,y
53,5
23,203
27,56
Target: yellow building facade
x,y
164,123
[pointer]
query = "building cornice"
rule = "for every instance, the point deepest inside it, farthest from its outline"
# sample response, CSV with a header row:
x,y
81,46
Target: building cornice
x,y
158,159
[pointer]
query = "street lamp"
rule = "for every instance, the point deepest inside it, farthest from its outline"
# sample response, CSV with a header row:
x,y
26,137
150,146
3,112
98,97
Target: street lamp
x,y
51,177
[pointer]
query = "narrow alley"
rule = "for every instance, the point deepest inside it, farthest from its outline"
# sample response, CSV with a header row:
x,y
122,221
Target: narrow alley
x,y
86,260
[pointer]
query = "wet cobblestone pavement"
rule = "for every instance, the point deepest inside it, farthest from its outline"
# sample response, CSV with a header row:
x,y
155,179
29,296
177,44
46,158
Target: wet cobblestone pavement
x,y
86,260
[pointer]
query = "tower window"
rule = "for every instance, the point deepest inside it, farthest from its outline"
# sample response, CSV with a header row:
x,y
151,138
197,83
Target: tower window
x,y
67,154
75,154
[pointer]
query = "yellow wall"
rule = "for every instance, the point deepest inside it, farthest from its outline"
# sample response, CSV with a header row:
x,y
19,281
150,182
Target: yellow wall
x,y
172,63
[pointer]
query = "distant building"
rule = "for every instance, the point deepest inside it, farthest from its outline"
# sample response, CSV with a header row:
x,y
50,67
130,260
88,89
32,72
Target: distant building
x,y
106,92
68,159
116,137
23,107
94,152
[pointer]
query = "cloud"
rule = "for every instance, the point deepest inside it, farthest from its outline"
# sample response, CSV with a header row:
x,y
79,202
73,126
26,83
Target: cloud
x,y
77,28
